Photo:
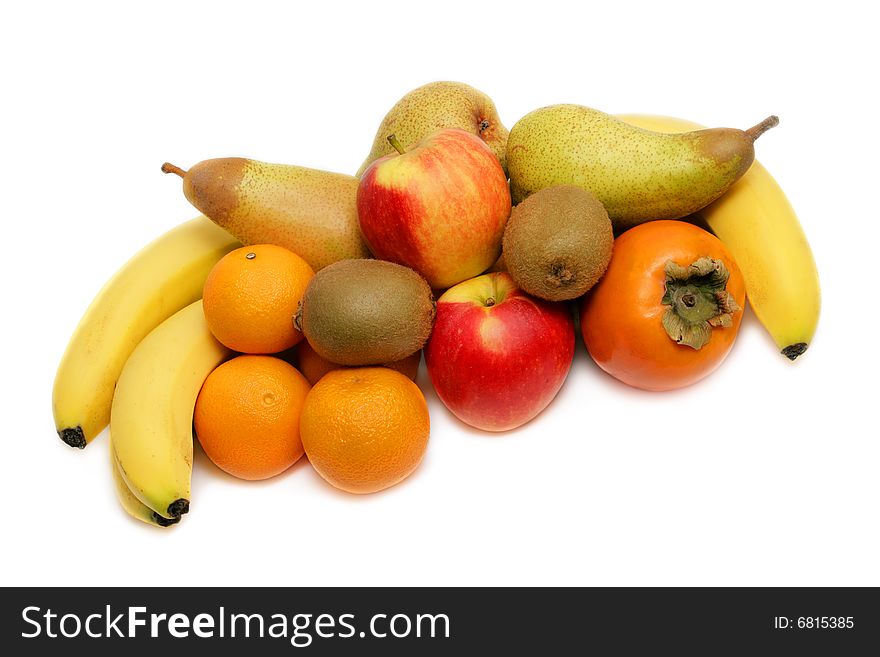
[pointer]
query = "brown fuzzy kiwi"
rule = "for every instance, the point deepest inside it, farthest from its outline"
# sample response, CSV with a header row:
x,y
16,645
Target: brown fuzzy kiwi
x,y
366,312
557,243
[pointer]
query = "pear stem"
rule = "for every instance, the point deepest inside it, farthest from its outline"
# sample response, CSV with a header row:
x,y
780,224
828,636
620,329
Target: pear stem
x,y
756,131
170,168
394,141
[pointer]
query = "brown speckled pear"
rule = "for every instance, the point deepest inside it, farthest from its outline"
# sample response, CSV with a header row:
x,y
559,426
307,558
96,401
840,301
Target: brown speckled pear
x,y
313,213
440,105
637,174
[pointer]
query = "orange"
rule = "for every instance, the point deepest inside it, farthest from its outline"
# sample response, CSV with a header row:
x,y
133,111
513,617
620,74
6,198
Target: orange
x,y
314,366
365,428
247,416
251,296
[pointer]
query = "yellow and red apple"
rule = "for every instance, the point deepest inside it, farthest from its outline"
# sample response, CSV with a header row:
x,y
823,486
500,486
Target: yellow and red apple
x,y
497,356
439,208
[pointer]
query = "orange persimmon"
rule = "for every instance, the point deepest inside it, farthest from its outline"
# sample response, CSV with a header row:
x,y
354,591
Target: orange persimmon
x,y
667,311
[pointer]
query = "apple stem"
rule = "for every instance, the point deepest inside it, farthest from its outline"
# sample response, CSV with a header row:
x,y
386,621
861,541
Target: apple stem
x,y
394,141
170,168
490,302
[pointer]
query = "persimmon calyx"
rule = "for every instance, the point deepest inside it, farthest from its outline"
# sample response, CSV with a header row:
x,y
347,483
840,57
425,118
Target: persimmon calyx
x,y
698,301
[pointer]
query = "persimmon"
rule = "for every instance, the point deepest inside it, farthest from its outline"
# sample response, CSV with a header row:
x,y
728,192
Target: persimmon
x,y
668,309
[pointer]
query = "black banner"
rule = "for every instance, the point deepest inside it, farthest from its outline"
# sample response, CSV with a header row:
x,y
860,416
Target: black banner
x,y
440,621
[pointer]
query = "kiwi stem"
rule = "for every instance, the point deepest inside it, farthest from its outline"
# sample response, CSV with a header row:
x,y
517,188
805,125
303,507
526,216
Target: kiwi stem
x,y
394,141
170,168
757,130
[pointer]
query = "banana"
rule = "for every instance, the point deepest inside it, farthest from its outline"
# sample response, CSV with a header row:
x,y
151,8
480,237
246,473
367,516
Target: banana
x,y
162,278
132,505
757,223
152,412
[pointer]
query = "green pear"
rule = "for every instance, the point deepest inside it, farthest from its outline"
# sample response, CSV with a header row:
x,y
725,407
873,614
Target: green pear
x,y
637,174
313,213
439,105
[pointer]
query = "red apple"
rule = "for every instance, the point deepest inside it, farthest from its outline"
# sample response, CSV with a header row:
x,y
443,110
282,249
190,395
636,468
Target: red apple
x,y
439,208
497,357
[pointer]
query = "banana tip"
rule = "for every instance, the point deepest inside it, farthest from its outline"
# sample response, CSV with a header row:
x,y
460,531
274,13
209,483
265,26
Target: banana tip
x,y
792,351
73,436
163,521
178,507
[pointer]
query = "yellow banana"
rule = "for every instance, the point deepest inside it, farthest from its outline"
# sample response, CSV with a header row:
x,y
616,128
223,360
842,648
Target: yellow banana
x,y
152,412
757,223
132,505
162,278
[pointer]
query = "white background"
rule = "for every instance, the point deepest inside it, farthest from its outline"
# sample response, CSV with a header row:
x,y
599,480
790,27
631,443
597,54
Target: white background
x,y
765,474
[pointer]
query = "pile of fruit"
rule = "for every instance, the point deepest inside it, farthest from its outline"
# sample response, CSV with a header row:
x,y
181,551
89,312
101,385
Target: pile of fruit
x,y
290,319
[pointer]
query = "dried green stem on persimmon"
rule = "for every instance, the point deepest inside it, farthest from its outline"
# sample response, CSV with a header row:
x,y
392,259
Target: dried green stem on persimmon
x,y
698,301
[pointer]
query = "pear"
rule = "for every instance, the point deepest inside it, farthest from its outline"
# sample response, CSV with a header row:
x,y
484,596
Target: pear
x,y
440,105
637,174
313,213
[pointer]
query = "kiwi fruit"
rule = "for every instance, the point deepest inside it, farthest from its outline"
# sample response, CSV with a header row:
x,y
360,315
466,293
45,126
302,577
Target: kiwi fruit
x,y
366,312
557,242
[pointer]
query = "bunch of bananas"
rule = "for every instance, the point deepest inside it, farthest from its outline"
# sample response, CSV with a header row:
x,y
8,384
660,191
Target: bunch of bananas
x,y
137,361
